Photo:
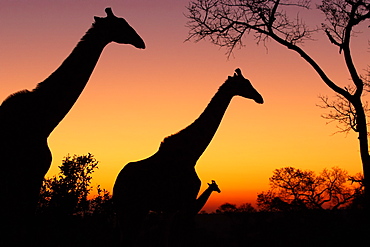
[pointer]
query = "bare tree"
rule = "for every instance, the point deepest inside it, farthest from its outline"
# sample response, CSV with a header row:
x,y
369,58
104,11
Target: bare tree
x,y
227,208
342,111
225,22
295,189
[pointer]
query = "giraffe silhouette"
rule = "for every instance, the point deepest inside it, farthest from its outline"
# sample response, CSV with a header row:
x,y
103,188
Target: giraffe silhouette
x,y
203,198
167,181
28,117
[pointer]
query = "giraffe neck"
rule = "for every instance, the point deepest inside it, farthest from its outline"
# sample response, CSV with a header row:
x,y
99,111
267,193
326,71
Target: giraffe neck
x,y
202,200
58,93
191,142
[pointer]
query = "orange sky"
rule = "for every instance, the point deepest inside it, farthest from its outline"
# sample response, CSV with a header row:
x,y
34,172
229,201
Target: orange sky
x,y
135,98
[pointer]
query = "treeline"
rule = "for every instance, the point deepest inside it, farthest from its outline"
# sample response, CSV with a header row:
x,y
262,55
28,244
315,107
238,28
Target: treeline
x,y
291,189
299,205
294,189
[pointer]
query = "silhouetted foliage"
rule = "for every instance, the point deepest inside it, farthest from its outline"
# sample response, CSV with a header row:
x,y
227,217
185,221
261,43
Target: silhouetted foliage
x,y
246,208
102,203
68,192
228,208
294,189
225,22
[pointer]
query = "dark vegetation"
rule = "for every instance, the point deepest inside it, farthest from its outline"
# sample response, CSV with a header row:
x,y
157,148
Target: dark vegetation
x,y
66,215
286,215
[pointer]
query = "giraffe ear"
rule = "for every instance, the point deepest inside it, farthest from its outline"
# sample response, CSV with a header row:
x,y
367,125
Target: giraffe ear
x,y
238,72
109,12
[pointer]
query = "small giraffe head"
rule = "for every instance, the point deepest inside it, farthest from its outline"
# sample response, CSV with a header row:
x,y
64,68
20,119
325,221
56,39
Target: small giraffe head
x,y
118,30
242,87
213,186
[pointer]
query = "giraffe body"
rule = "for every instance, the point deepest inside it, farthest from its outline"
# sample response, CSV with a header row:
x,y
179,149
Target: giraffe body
x,y
167,180
28,117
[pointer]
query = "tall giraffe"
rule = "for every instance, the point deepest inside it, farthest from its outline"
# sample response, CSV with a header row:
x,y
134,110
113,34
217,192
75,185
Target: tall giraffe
x,y
167,181
28,117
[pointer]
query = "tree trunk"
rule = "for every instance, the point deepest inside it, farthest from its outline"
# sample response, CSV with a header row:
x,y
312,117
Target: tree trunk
x,y
364,146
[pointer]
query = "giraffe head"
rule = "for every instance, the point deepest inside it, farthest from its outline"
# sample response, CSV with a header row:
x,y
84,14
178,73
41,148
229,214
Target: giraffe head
x,y
118,30
242,87
213,186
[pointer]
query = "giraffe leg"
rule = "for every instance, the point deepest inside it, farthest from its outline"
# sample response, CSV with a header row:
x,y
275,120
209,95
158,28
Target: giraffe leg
x,y
182,230
130,221
171,230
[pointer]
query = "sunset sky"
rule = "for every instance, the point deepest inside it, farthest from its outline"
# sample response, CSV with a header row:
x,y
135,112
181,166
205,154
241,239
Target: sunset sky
x,y
135,98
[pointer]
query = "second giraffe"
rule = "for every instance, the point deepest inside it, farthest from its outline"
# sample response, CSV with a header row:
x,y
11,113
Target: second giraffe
x,y
167,181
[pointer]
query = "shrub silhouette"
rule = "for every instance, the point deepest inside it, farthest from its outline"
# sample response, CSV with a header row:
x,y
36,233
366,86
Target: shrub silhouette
x,y
67,193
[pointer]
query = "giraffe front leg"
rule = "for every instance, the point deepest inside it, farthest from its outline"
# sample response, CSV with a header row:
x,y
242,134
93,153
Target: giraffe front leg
x,y
179,226
130,221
